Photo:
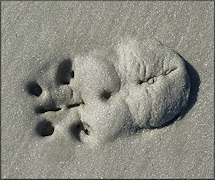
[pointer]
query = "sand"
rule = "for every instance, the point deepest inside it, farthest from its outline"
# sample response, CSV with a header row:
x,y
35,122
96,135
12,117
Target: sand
x,y
39,39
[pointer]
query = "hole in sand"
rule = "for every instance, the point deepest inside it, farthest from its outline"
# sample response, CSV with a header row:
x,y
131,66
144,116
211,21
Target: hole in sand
x,y
34,89
63,73
140,82
77,127
45,128
72,105
105,95
41,109
86,131
72,74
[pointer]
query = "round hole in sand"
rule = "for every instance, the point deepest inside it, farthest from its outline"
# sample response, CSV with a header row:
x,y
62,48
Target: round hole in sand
x,y
45,128
105,95
34,89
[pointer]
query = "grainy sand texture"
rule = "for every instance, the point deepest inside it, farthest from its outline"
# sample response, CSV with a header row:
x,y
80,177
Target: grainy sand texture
x,y
107,89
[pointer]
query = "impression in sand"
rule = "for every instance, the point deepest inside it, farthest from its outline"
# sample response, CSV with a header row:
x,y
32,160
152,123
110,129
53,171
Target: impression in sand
x,y
112,91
